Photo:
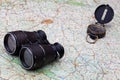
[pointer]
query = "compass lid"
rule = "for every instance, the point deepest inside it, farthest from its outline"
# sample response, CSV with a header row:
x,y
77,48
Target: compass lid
x,y
104,14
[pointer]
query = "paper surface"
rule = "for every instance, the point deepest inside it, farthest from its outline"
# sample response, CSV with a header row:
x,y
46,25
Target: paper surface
x,y
66,22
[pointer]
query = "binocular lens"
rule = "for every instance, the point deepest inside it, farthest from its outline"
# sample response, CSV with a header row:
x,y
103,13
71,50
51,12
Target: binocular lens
x,y
36,55
27,59
10,43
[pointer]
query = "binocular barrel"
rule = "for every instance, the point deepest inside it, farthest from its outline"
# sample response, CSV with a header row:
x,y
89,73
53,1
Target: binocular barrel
x,y
36,55
13,41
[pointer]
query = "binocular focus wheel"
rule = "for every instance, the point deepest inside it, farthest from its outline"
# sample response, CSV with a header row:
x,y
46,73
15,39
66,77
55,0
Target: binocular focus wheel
x,y
42,34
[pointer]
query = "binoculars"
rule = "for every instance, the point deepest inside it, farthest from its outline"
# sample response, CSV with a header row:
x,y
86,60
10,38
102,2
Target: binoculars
x,y
33,48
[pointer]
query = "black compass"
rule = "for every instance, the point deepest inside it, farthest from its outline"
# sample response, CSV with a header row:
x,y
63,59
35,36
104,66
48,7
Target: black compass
x,y
103,14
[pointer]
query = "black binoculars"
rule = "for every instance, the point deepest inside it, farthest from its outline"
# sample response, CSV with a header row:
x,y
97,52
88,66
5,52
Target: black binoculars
x,y
33,48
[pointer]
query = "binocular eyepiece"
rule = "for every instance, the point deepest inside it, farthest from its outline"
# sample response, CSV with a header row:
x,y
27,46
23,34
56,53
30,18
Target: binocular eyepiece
x,y
36,55
33,48
13,41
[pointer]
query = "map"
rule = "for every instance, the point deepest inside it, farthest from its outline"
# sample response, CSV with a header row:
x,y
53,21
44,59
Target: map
x,y
66,22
